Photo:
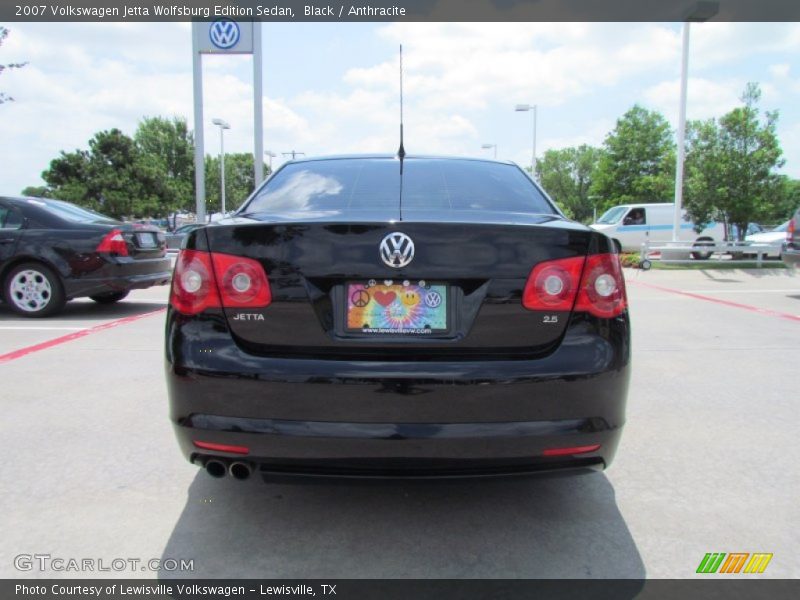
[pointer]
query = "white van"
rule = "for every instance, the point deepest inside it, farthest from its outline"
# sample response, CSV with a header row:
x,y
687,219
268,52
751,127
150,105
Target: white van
x,y
630,225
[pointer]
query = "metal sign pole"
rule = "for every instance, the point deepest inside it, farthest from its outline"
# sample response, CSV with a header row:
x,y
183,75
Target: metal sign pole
x,y
199,151
258,105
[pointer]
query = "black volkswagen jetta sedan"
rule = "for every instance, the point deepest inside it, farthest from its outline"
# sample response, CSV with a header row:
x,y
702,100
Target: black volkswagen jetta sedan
x,y
366,316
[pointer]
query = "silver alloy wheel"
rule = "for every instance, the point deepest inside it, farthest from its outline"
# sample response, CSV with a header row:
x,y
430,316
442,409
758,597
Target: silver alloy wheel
x,y
30,290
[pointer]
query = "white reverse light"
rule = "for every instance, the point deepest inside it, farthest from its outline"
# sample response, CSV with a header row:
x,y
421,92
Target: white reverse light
x,y
191,281
605,285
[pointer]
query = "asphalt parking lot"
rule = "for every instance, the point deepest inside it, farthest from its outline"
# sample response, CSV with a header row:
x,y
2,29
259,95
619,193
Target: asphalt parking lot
x,y
708,461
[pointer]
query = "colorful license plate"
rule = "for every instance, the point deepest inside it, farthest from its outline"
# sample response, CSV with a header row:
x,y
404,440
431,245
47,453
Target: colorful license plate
x,y
396,307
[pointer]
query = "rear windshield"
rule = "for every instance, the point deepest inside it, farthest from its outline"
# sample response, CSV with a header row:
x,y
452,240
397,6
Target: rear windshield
x,y
71,212
427,184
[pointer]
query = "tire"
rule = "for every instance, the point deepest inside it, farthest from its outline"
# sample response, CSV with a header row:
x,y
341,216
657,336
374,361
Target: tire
x,y
110,297
700,243
33,290
645,265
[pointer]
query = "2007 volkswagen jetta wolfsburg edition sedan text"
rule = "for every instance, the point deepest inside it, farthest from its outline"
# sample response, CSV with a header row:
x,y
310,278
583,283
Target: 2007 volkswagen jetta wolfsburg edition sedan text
x,y
367,316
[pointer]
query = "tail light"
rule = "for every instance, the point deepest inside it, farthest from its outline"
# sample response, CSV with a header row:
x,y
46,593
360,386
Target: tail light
x,y
113,243
593,284
790,230
602,290
212,280
552,285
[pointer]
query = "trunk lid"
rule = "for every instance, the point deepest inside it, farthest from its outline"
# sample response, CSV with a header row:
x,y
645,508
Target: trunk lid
x,y
480,261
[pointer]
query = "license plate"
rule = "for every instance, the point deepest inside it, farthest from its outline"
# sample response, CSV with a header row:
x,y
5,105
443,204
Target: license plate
x,y
146,240
396,307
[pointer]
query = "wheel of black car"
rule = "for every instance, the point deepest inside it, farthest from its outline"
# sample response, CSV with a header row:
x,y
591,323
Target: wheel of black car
x,y
33,290
699,244
109,298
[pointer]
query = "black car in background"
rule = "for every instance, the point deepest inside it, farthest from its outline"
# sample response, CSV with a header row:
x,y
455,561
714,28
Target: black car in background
x,y
53,251
367,316
790,252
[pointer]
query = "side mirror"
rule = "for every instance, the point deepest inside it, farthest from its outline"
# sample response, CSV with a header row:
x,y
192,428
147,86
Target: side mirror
x,y
627,221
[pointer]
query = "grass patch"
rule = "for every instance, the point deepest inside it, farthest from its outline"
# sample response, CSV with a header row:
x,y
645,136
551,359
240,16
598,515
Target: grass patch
x,y
715,265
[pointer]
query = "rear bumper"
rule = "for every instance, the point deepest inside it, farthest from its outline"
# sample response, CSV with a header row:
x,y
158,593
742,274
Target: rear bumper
x,y
790,255
119,274
406,419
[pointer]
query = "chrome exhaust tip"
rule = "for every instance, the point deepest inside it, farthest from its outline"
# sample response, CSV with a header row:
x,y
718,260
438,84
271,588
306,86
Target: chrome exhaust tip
x,y
215,468
240,470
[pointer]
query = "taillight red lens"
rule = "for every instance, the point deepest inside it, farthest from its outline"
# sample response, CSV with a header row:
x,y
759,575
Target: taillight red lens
x,y
211,280
596,280
790,230
602,289
552,285
113,243
241,281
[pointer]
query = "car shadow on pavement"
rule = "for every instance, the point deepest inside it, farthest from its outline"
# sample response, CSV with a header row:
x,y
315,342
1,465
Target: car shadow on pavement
x,y
525,527
87,311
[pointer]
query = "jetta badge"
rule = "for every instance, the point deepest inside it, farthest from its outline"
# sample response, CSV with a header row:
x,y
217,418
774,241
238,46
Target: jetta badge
x,y
397,250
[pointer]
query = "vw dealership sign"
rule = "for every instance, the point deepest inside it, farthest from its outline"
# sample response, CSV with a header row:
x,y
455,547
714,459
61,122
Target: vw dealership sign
x,y
225,36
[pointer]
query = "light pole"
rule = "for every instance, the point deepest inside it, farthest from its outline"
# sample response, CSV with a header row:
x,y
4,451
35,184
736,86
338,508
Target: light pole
x,y
699,12
532,108
270,154
222,127
294,153
488,146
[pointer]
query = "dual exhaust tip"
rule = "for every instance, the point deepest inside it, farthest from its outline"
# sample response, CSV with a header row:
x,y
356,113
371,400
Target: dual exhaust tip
x,y
238,470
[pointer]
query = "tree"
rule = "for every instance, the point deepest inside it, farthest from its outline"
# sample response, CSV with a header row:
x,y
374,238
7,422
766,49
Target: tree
x,y
111,177
239,180
566,174
730,166
3,36
167,146
638,164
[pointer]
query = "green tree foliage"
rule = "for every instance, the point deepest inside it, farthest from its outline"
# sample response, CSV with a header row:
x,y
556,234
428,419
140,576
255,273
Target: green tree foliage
x,y
111,177
730,166
149,175
638,164
239,180
567,174
3,36
168,145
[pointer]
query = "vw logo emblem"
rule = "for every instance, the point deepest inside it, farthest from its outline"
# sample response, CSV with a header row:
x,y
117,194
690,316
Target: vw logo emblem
x,y
224,34
397,250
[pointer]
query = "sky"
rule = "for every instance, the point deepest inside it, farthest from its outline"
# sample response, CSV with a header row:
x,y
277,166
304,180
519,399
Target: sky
x,y
332,88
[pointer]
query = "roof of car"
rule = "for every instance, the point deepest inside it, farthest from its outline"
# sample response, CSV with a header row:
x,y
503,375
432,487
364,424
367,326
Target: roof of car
x,y
394,156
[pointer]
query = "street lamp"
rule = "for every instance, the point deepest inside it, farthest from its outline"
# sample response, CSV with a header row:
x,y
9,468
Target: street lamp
x,y
270,154
294,154
488,146
532,108
699,12
222,127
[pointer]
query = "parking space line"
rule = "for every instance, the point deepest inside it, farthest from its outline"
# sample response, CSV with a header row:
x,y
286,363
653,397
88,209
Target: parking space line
x,y
756,309
27,328
15,354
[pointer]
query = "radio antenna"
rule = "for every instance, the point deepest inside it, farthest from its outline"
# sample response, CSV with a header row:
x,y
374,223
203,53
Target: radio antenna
x,y
401,152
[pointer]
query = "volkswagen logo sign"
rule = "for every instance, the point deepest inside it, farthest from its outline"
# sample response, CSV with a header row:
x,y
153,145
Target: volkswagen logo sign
x,y
397,250
224,34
